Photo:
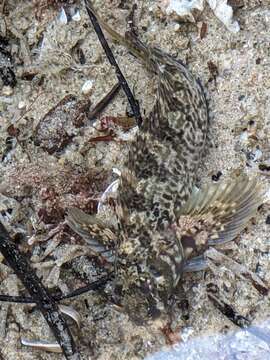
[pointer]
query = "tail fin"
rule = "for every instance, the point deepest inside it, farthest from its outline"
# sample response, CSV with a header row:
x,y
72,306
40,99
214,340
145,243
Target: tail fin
x,y
223,209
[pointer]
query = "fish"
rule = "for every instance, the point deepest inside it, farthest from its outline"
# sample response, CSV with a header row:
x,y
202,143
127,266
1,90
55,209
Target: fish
x,y
164,223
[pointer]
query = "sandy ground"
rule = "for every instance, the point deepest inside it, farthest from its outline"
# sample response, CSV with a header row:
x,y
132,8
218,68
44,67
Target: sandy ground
x,y
40,179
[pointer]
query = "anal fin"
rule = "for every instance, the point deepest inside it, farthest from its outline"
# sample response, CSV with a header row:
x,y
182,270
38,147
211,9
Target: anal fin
x,y
94,231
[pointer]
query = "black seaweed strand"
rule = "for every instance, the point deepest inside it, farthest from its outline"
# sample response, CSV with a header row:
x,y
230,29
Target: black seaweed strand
x,y
94,286
133,102
45,303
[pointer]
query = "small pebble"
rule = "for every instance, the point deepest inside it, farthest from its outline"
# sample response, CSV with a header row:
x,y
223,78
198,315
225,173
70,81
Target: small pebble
x,y
87,87
267,221
7,90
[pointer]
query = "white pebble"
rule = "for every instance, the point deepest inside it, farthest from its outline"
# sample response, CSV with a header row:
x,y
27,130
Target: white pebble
x,y
87,87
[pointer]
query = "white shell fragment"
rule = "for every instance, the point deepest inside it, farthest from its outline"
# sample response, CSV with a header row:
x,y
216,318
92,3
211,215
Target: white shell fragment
x,y
224,13
87,87
184,8
72,313
62,17
42,345
76,16
111,189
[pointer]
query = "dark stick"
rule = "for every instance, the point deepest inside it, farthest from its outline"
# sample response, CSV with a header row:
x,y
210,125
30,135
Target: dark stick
x,y
103,103
45,303
96,285
133,102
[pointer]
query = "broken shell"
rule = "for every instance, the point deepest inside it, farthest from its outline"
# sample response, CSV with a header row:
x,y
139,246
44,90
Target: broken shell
x,y
42,345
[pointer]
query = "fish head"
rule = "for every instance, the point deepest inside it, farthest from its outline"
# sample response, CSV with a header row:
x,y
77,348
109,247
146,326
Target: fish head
x,y
151,276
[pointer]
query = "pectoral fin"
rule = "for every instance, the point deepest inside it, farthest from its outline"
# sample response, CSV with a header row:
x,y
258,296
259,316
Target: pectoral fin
x,y
217,213
93,230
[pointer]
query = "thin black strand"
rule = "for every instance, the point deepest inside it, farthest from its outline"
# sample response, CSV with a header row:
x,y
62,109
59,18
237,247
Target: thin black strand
x,y
133,102
94,286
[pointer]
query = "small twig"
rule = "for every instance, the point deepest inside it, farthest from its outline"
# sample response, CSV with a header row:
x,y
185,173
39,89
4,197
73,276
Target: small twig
x,y
45,303
104,102
96,285
133,102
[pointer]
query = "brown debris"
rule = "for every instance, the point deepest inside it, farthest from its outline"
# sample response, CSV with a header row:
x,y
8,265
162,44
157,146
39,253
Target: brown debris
x,y
213,69
203,31
53,131
172,337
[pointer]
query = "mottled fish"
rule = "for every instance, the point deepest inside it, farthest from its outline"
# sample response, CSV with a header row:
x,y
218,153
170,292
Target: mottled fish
x,y
163,221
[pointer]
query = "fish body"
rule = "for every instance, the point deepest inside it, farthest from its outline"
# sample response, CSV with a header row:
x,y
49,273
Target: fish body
x,y
162,221
158,179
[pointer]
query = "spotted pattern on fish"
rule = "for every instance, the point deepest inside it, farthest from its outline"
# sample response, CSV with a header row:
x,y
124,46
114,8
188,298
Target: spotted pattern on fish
x,y
162,221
